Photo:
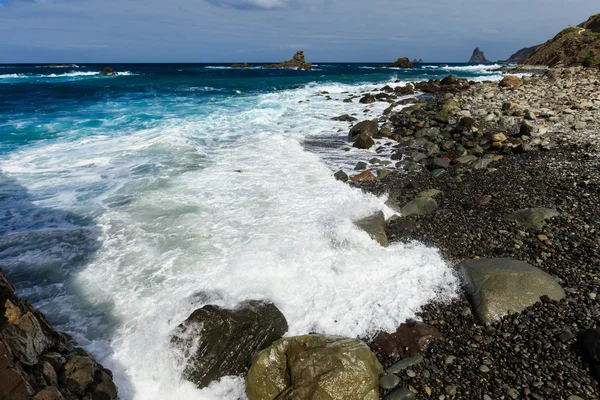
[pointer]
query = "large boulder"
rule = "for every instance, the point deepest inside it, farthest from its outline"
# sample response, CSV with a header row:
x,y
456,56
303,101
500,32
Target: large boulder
x,y
363,141
365,127
220,342
314,367
511,81
366,176
448,110
498,287
419,206
375,225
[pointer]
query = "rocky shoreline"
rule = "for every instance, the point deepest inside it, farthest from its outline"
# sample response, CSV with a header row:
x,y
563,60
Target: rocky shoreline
x,y
478,161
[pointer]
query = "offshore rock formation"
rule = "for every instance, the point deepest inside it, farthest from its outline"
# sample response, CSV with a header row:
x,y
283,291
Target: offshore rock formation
x,y
243,65
297,62
37,362
478,57
107,71
576,45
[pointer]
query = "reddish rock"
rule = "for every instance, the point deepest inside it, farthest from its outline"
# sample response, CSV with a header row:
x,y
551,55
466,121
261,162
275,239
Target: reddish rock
x,y
363,177
410,339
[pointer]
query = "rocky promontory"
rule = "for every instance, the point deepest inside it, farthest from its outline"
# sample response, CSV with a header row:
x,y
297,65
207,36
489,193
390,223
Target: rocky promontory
x,y
478,57
402,62
297,62
39,363
522,55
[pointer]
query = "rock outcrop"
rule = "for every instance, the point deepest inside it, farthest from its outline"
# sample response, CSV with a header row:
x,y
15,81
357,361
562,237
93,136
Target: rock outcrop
x,y
38,362
314,367
243,65
500,286
374,225
220,342
576,45
297,62
107,72
478,57
402,62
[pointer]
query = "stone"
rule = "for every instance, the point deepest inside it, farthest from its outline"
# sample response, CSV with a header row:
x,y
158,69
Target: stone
x,y
363,141
365,127
220,342
49,393
345,118
589,343
483,200
389,381
410,339
297,62
500,286
448,110
404,364
466,159
107,72
482,163
401,394
375,225
419,206
429,193
449,80
314,367
367,99
341,176
382,173
402,62
365,176
361,165
511,81
451,390
533,218
499,137
78,373
441,163
105,389
49,374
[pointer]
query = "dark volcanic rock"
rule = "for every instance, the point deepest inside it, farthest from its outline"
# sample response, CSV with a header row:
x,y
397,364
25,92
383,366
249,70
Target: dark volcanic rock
x,y
402,62
367,127
363,141
589,342
244,65
522,55
345,117
478,57
224,340
367,99
107,71
297,62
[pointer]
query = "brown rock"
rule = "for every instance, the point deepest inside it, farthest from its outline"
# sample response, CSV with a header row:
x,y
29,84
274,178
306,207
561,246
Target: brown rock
x,y
410,339
49,393
511,81
363,141
106,389
49,374
483,200
365,176
79,373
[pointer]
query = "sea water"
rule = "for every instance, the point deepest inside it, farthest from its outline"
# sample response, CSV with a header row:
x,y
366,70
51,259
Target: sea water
x,y
129,201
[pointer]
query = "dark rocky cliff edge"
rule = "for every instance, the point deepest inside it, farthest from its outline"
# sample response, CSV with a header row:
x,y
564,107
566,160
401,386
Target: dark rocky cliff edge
x,y
522,55
37,362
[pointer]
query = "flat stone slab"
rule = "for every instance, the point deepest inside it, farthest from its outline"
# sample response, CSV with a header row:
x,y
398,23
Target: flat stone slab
x,y
419,206
533,218
499,286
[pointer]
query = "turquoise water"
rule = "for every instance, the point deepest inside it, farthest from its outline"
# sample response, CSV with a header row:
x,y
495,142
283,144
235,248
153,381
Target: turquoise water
x,y
129,201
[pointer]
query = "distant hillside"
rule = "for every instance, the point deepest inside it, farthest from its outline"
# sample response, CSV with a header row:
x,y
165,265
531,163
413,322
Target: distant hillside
x,y
520,56
578,45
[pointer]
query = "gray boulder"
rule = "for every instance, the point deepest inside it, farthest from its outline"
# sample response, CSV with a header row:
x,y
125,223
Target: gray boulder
x,y
419,206
374,225
223,341
498,287
534,218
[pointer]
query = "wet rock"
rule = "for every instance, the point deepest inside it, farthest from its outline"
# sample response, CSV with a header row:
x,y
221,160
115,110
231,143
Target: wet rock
x,y
107,72
367,99
363,141
221,342
314,367
49,393
105,389
401,394
389,381
78,373
408,340
361,165
375,225
365,127
533,218
341,176
404,364
419,206
449,80
363,177
345,118
500,286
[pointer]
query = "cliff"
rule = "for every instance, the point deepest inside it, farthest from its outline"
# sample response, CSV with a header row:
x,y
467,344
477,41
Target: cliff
x,y
478,57
522,55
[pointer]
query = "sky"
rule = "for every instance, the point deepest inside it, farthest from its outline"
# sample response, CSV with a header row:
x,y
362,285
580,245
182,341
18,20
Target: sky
x,y
64,31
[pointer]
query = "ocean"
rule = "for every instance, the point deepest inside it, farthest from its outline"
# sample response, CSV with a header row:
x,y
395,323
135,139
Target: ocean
x,y
129,201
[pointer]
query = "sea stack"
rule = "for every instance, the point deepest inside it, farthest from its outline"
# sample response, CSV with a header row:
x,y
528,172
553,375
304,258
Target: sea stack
x,y
478,57
297,62
107,71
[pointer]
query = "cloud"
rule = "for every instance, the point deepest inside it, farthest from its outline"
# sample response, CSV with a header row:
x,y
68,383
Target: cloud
x,y
250,4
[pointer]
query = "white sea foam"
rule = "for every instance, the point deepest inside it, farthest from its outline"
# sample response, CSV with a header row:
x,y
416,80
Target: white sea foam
x,y
176,219
75,74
